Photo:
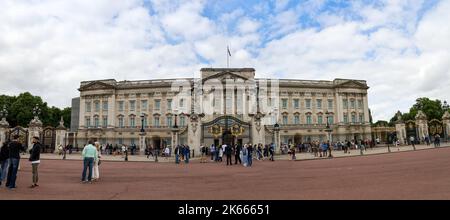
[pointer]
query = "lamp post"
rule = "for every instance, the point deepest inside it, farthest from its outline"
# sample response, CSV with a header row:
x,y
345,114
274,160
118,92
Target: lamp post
x,y
329,130
142,122
446,108
175,111
276,128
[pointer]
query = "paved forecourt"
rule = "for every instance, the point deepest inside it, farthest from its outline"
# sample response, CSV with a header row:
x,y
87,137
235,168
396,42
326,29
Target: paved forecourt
x,y
422,174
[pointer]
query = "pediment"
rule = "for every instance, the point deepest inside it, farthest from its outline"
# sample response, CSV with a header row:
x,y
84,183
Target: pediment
x,y
352,84
225,75
96,86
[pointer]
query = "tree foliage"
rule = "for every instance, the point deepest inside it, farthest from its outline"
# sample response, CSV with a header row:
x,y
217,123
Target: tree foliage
x,y
20,110
433,109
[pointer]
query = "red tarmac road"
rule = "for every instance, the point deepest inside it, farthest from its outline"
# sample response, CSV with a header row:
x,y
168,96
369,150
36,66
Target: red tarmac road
x,y
423,174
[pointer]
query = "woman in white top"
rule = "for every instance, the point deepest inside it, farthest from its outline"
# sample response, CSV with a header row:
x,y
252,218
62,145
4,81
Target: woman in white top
x,y
96,173
167,152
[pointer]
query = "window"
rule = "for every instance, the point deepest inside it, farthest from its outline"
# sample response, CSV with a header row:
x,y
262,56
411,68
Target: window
x,y
285,119
157,105
353,118
345,118
121,106
105,121
319,119
156,121
132,122
132,141
144,105
330,104
360,104
88,122
330,120
145,121
319,103
308,119
169,121
284,103
121,124
97,106
88,107
182,121
296,103
96,122
296,119
169,104
361,118
132,105
352,103
105,105
308,103
345,102
181,103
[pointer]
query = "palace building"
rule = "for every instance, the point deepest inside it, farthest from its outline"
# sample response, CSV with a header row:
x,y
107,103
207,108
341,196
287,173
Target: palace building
x,y
224,105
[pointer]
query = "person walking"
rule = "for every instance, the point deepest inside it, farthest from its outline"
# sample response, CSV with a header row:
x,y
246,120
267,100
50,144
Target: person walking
x,y
272,151
15,147
89,154
412,140
4,162
292,150
96,173
35,153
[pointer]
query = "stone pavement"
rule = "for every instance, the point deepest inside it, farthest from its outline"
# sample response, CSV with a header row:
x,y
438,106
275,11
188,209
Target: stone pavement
x,y
300,156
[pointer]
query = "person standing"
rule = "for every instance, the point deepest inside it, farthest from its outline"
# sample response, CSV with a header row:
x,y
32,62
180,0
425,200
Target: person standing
x,y
212,150
96,173
186,154
272,151
14,158
249,155
89,154
221,152
177,154
245,155
203,151
35,154
228,152
237,154
4,162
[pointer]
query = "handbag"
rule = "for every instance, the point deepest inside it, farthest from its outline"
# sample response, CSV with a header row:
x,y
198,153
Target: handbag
x,y
99,162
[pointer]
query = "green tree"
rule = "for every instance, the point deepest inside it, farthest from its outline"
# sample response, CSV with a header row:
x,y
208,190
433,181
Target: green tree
x,y
20,110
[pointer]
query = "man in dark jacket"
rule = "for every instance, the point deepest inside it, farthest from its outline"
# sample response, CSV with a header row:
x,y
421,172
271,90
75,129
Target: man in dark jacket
x,y
228,152
4,162
35,154
237,154
177,152
14,158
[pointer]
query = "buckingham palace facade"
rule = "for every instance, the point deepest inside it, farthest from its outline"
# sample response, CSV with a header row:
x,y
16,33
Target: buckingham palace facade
x,y
223,105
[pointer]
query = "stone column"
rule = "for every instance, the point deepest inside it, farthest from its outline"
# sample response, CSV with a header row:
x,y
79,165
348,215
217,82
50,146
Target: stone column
x,y
61,132
142,145
194,133
446,124
175,137
258,132
277,138
34,129
4,126
422,125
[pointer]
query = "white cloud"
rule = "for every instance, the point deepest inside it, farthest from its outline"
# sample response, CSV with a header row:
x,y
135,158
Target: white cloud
x,y
47,47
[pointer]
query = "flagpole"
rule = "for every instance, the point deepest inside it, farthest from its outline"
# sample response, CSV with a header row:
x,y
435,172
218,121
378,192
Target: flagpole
x,y
228,58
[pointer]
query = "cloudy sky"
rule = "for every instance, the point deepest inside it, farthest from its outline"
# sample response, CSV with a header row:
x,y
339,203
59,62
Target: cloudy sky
x,y
401,47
